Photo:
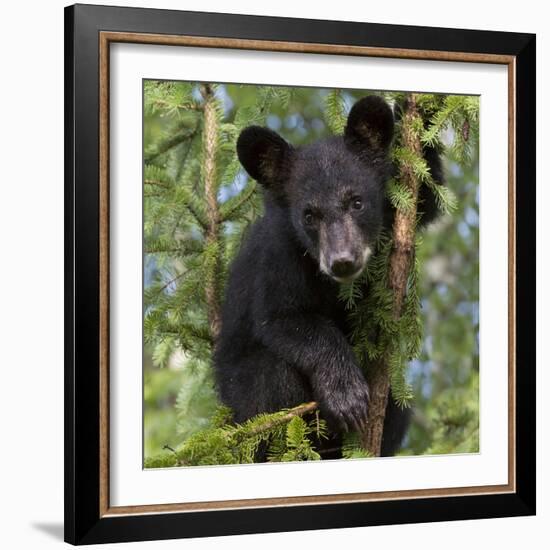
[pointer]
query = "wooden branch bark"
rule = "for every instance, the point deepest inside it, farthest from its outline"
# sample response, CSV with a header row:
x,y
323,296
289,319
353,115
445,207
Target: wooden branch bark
x,y
300,410
400,263
210,148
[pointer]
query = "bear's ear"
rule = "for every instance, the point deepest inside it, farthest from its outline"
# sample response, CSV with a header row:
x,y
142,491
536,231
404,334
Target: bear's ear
x,y
264,154
370,126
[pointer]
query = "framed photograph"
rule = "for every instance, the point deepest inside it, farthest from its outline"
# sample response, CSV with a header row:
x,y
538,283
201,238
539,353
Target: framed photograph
x,y
300,280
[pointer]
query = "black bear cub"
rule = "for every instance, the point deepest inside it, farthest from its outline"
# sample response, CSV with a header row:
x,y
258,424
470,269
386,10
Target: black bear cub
x,y
284,337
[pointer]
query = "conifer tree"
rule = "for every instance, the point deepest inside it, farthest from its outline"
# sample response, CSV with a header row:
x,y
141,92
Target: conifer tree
x,y
197,205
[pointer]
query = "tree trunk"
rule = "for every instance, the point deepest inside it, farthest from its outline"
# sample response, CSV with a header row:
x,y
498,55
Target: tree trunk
x,y
400,263
213,242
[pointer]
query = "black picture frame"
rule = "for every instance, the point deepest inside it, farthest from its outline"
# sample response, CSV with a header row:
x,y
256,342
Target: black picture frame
x,y
84,523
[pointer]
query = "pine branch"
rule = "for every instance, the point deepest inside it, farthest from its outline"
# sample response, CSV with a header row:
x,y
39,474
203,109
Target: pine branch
x,y
228,440
334,112
400,263
157,183
194,206
171,142
300,410
170,282
232,206
187,106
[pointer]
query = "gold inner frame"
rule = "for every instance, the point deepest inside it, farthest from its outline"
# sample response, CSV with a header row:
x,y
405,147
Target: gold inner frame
x,y
105,39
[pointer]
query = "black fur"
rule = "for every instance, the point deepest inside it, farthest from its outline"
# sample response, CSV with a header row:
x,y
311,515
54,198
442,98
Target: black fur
x,y
284,337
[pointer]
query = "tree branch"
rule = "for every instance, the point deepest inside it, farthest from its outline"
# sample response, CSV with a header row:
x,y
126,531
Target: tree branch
x,y
158,183
231,437
400,263
171,142
230,207
300,410
190,105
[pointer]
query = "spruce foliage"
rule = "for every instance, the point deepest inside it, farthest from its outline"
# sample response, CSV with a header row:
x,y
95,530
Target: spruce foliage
x,y
285,433
198,203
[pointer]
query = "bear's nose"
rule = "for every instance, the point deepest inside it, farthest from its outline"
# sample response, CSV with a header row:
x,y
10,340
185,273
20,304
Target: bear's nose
x,y
343,267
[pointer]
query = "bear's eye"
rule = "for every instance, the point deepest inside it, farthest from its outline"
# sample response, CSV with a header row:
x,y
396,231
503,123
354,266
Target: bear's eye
x,y
308,217
357,203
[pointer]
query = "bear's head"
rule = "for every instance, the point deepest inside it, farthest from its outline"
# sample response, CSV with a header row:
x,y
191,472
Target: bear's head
x,y
333,189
